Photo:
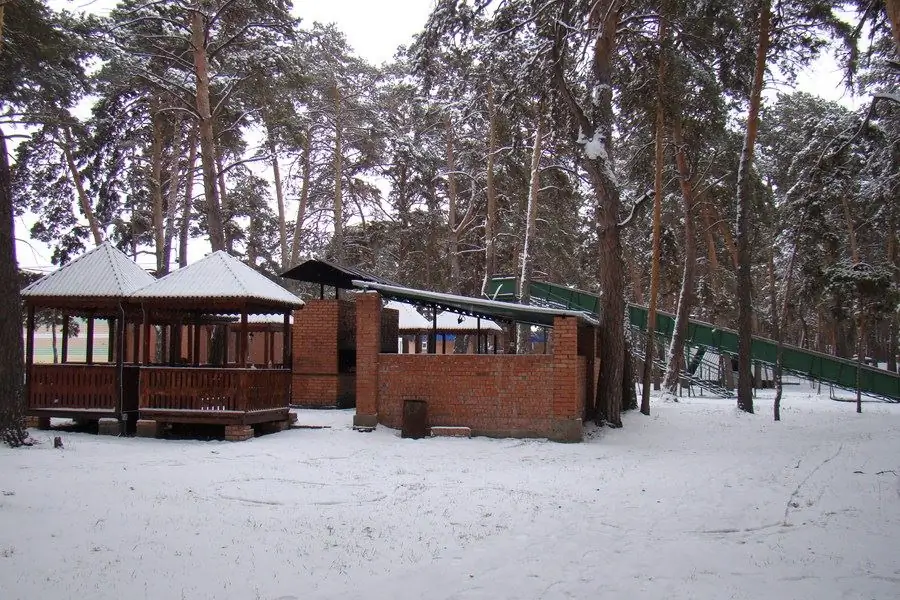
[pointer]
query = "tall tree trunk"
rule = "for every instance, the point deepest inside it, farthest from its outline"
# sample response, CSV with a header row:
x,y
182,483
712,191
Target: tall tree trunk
x,y
598,163
304,196
184,232
711,254
490,219
893,11
172,197
338,197
279,197
530,220
659,160
686,297
83,199
776,329
214,221
744,220
892,258
12,392
453,203
225,200
156,184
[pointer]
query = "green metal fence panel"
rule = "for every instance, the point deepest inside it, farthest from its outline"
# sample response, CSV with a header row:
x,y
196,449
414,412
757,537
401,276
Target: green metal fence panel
x,y
828,369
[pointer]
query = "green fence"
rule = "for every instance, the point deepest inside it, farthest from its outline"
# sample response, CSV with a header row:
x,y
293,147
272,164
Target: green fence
x,y
840,372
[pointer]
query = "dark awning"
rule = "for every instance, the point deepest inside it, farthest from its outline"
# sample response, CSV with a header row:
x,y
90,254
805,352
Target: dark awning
x,y
329,273
476,307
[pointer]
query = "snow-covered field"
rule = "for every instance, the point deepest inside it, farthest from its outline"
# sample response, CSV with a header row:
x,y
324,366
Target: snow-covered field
x,y
697,501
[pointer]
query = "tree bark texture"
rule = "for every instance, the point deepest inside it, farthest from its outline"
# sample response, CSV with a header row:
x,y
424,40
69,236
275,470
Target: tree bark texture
x,y
279,197
659,164
744,218
338,197
185,231
490,218
530,222
156,184
172,188
686,297
12,391
304,197
452,206
214,221
83,200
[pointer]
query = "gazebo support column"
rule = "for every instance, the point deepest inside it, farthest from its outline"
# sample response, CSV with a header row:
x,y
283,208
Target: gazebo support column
x,y
285,341
242,345
146,337
198,331
29,362
136,343
89,351
65,338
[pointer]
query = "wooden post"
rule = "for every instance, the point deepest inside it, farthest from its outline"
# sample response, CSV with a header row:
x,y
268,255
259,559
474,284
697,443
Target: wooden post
x,y
242,343
477,335
120,359
321,291
122,345
146,337
89,352
443,343
495,343
432,336
29,353
65,338
198,330
225,335
136,344
111,340
286,342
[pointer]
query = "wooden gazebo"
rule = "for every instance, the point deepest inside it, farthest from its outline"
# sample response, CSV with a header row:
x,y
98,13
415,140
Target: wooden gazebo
x,y
96,285
208,389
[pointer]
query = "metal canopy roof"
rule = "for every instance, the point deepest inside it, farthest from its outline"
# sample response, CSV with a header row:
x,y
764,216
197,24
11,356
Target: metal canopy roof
x,y
102,273
325,272
476,307
218,277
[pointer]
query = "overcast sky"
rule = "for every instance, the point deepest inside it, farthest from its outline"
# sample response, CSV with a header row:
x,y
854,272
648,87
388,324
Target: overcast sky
x,y
375,28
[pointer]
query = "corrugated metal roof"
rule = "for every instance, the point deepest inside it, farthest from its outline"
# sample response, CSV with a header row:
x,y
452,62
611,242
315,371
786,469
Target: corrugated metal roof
x,y
450,321
104,272
218,276
480,307
326,272
410,319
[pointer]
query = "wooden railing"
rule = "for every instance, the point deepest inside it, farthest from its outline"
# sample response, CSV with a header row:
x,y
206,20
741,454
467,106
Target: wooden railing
x,y
68,387
214,389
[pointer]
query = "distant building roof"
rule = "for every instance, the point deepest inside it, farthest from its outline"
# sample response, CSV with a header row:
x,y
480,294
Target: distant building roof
x,y
216,279
410,319
104,272
449,321
326,272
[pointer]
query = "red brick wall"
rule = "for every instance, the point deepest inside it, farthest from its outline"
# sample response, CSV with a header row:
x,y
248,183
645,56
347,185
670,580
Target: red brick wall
x,y
315,354
502,395
566,401
368,343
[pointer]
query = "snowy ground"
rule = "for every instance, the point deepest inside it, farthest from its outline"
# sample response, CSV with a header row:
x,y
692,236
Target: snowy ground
x,y
697,501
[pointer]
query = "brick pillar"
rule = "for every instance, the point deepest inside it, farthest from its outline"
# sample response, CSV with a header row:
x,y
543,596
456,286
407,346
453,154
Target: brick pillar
x,y
368,343
566,420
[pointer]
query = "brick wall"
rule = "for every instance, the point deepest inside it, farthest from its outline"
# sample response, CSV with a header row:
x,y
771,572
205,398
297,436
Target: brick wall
x,y
498,395
314,340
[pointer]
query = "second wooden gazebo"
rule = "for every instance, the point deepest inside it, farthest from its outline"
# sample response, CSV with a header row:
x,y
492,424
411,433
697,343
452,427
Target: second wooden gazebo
x,y
206,389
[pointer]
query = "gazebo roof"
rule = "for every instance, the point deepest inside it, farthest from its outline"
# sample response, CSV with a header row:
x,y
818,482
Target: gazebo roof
x,y
104,273
218,281
410,319
325,272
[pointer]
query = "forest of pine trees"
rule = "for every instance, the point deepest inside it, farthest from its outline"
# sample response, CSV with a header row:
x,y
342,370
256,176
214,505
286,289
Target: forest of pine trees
x,y
633,148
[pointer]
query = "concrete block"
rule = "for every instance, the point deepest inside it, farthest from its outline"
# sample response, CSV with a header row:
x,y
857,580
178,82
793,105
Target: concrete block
x,y
238,433
451,432
147,428
365,421
109,427
566,430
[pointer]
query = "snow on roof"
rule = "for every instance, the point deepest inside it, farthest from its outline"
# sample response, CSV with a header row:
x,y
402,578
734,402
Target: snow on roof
x,y
410,319
273,319
104,272
450,321
218,276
